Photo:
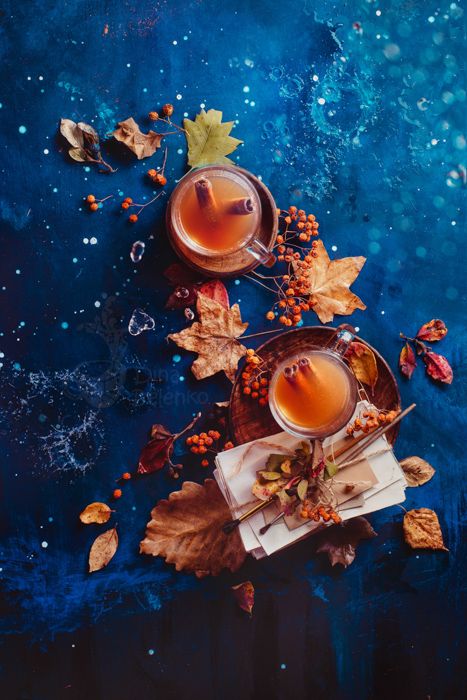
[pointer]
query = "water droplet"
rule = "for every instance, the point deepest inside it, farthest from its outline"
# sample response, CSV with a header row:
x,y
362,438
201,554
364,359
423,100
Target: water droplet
x,y
140,321
189,315
182,292
137,251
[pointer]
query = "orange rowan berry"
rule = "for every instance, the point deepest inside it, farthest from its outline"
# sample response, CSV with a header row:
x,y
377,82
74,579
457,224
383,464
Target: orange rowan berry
x,y
195,439
303,237
305,306
263,392
160,179
203,435
283,320
153,116
296,256
311,217
263,381
291,301
288,220
194,449
152,173
201,441
288,258
247,390
208,441
245,375
117,493
292,210
255,385
254,394
270,315
289,322
281,249
282,304
300,226
315,225
262,401
255,360
90,199
228,445
296,318
94,206
280,258
289,291
279,239
250,352
129,200
132,218
314,254
168,109
205,463
189,441
126,476
125,205
202,450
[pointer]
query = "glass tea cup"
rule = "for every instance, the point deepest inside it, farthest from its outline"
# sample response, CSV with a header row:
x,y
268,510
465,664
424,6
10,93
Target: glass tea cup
x,y
313,394
215,212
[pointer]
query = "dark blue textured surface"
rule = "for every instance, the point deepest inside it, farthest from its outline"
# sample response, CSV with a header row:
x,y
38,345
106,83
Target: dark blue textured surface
x,y
381,162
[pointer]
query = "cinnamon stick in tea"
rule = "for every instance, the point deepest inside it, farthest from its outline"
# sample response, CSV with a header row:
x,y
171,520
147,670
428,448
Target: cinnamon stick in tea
x,y
290,373
242,206
305,366
206,199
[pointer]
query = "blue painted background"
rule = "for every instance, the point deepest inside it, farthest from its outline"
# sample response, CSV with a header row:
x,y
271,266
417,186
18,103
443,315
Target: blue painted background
x,y
362,124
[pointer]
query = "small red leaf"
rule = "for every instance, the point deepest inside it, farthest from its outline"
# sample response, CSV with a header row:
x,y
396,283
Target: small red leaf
x,y
438,367
407,360
245,596
432,331
215,289
157,451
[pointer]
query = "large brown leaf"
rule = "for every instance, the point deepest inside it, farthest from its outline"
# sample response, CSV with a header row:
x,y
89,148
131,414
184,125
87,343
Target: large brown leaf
x,y
416,470
327,284
339,541
142,145
214,338
187,531
422,529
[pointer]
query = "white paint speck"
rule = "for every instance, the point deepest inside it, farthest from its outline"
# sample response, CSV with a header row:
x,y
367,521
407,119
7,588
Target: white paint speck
x,y
97,304
93,240
44,544
321,101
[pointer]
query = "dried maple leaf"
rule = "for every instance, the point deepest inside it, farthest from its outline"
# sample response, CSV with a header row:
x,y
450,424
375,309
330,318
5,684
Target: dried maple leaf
x,y
432,331
362,360
95,513
422,530
339,541
407,360
214,338
103,549
416,471
158,451
327,284
438,367
186,529
208,139
84,142
245,596
142,145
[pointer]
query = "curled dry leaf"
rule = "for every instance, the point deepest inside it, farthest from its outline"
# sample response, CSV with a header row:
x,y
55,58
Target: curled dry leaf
x,y
407,360
214,338
245,596
438,367
158,451
95,513
84,142
103,549
422,530
142,145
432,331
362,360
339,541
327,284
208,139
416,470
187,531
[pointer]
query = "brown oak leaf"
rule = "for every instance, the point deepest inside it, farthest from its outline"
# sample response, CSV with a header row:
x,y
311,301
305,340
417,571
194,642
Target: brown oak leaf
x,y
142,145
438,367
432,331
422,529
407,360
245,596
186,529
339,541
95,513
214,338
327,284
362,360
416,471
103,549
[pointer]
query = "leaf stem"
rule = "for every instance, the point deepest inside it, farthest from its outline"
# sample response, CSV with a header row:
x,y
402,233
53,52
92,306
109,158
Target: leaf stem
x,y
253,335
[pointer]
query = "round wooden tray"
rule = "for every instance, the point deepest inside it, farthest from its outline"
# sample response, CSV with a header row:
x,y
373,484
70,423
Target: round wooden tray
x,y
249,421
238,263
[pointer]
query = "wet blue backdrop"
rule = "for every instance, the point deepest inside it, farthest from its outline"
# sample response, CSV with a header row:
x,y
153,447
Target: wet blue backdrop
x,y
355,110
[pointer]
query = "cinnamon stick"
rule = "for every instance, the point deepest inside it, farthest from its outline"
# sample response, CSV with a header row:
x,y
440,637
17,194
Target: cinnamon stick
x,y
206,199
290,373
305,366
242,206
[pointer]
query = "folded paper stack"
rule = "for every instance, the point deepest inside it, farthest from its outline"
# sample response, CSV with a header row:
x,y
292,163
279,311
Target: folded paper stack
x,y
373,482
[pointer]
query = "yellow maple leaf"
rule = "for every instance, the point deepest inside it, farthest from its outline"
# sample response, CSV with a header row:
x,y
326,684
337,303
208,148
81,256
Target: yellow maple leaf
x,y
327,283
214,338
208,139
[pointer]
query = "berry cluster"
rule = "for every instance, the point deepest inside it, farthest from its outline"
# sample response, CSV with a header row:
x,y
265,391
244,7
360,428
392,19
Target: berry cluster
x,y
157,176
202,443
94,203
298,223
128,202
254,380
167,111
117,493
370,420
315,512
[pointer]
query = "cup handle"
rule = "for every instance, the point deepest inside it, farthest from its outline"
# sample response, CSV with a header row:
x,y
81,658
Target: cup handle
x,y
259,251
341,339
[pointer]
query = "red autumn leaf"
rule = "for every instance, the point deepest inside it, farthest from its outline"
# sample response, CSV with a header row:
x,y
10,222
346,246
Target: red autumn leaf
x,y
156,453
438,367
432,331
245,596
407,360
215,289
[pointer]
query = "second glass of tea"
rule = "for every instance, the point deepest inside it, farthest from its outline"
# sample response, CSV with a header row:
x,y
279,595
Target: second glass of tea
x,y
314,394
216,212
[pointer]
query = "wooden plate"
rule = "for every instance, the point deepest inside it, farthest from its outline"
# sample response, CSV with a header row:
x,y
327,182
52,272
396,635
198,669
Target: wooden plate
x,y
249,421
238,263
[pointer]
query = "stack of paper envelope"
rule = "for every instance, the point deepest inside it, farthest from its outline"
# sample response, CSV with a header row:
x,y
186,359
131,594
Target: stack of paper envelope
x,y
374,482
